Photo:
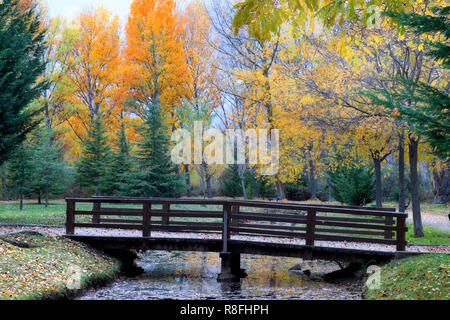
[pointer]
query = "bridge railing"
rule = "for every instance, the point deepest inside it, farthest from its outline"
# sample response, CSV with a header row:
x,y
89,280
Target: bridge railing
x,y
240,219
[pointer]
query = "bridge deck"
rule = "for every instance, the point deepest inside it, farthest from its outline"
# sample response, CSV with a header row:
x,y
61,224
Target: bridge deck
x,y
254,247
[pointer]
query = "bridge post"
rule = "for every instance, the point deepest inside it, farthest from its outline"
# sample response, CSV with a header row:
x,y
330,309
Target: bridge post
x,y
310,227
96,216
230,267
230,261
70,217
226,227
146,219
401,241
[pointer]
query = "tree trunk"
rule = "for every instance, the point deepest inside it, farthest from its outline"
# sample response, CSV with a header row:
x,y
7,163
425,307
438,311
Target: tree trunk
x,y
208,186
401,173
21,201
415,197
4,186
378,186
188,181
46,197
39,198
202,176
312,179
441,180
47,115
280,189
241,172
244,190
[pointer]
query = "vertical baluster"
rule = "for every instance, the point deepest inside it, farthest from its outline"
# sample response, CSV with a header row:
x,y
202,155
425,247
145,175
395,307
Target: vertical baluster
x,y
165,218
96,215
234,220
389,222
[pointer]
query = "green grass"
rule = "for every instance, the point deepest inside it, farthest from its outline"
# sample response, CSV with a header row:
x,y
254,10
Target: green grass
x,y
33,213
33,266
424,277
431,207
432,236
55,214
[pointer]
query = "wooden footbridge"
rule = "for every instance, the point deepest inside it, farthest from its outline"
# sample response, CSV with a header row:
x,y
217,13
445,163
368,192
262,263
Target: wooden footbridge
x,y
233,227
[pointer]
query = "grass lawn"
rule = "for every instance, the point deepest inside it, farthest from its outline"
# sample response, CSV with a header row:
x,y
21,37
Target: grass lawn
x,y
432,236
36,267
425,277
33,213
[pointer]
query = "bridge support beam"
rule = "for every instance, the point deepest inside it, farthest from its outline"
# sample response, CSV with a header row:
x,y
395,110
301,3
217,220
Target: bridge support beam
x,y
231,267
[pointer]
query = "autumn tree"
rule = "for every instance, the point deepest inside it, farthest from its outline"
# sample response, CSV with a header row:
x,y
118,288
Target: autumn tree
x,y
203,96
94,69
158,71
60,39
411,70
250,61
263,18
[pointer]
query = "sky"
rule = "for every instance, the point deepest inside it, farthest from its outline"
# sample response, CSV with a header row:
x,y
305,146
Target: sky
x,y
69,8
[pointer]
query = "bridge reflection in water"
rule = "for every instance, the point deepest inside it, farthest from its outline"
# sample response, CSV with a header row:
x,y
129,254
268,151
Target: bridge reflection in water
x,y
234,227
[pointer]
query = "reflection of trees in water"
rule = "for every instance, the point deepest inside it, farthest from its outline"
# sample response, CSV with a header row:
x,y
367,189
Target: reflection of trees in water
x,y
197,272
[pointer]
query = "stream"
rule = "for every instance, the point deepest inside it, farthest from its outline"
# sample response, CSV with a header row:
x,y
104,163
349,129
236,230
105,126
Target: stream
x,y
192,276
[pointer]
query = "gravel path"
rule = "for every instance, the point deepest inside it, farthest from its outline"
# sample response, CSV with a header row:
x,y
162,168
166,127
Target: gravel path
x,y
435,220
55,231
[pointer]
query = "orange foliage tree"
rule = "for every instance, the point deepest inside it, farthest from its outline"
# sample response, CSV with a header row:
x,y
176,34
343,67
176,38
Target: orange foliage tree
x,y
157,72
94,73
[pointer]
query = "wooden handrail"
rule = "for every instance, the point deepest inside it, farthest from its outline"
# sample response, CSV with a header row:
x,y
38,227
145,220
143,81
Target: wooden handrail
x,y
312,226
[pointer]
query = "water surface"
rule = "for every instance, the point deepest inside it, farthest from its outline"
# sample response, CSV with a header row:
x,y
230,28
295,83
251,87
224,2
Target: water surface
x,y
192,276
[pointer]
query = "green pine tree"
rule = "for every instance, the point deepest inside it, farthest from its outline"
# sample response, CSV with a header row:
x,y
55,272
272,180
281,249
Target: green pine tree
x,y
21,48
122,167
50,176
265,187
21,170
156,175
93,167
231,182
353,185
